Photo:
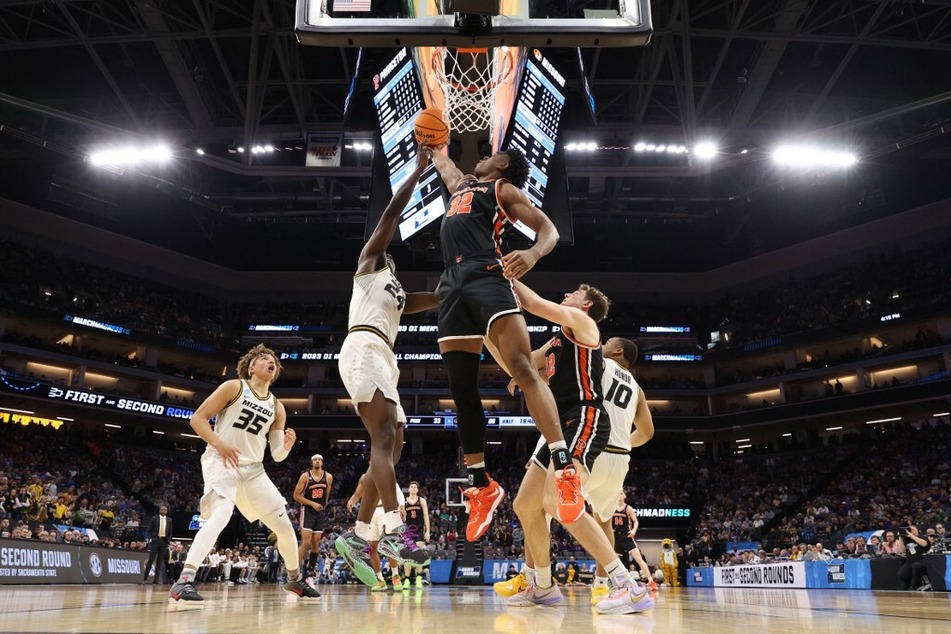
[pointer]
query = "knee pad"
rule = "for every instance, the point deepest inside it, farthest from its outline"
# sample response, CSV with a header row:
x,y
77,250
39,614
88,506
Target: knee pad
x,y
463,371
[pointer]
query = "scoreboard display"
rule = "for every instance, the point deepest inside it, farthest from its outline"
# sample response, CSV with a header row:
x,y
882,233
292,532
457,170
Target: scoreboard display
x,y
533,128
398,99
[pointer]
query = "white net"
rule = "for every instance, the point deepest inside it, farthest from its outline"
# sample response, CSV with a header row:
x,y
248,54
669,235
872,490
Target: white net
x,y
469,78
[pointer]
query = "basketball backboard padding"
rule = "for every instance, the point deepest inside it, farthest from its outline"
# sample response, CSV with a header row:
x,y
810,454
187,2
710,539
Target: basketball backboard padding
x,y
629,25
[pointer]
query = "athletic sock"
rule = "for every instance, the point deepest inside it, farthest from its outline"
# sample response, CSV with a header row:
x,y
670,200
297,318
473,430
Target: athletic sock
x,y
477,475
529,574
362,530
187,576
618,574
543,576
392,521
600,582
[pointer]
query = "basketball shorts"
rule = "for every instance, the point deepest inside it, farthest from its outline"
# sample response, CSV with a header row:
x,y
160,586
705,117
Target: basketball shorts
x,y
248,487
472,295
376,525
606,482
311,520
586,429
366,365
624,546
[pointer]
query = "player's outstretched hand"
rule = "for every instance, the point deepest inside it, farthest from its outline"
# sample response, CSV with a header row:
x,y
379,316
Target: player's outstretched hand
x,y
517,263
290,437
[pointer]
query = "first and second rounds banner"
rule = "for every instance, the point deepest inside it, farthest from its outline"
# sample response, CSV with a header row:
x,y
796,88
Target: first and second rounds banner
x,y
34,562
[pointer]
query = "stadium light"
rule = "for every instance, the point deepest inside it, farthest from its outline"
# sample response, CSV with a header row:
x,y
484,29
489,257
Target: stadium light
x,y
132,156
787,434
743,440
807,156
935,416
113,426
705,150
883,420
696,442
833,428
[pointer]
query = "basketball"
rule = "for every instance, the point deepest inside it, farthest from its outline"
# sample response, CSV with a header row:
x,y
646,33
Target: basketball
x,y
431,129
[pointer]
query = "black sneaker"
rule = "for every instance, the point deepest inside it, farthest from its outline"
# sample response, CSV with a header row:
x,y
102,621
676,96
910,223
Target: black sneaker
x,y
184,591
301,589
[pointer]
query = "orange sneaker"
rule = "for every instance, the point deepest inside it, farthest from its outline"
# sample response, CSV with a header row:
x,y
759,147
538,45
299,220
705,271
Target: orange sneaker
x,y
570,496
481,505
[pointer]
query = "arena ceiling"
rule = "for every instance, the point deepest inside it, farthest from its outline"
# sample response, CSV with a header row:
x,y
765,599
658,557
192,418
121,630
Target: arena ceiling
x,y
871,76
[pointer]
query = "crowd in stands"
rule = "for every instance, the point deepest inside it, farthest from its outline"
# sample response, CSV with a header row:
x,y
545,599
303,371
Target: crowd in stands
x,y
52,489
844,497
884,283
865,491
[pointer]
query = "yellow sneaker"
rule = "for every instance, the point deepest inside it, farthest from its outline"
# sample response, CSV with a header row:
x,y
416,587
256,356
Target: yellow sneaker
x,y
598,593
513,586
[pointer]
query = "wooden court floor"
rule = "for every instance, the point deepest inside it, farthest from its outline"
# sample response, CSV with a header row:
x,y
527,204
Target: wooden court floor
x,y
460,610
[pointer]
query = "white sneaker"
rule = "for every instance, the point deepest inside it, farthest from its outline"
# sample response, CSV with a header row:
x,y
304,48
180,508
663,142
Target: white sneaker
x,y
626,600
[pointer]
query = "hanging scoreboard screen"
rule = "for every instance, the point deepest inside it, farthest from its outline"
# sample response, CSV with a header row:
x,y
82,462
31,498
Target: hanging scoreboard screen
x,y
534,126
398,99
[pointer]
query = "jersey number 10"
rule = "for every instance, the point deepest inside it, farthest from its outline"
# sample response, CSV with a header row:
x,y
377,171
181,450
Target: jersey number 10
x,y
619,394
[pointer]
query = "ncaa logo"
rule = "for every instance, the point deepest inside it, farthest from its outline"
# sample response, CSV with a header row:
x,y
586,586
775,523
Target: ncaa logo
x,y
95,564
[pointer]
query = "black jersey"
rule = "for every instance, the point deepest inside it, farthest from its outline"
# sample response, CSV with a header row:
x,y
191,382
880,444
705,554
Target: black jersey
x,y
474,223
621,524
414,512
316,489
574,372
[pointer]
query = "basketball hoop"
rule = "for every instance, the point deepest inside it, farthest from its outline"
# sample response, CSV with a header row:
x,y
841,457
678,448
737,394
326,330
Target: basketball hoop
x,y
469,78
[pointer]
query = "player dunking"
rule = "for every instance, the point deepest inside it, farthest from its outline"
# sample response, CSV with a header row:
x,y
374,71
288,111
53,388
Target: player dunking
x,y
417,514
573,362
249,417
369,372
312,493
476,302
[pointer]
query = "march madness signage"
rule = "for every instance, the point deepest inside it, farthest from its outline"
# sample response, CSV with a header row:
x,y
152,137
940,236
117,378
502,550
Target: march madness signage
x,y
786,575
27,561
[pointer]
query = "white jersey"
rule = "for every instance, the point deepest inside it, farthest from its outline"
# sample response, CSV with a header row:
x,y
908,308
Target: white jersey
x,y
245,422
377,304
400,498
620,400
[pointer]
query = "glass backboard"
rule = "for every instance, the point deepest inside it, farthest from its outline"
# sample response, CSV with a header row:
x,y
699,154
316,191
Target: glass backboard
x,y
474,23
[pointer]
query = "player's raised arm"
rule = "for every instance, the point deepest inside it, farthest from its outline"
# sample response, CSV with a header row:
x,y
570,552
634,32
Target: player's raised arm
x,y
373,255
450,174
581,327
518,207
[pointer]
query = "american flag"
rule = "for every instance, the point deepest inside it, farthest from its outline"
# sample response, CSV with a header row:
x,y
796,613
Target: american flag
x,y
351,6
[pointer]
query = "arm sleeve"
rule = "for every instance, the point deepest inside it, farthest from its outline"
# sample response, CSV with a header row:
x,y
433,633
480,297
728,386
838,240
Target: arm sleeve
x,y
275,439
